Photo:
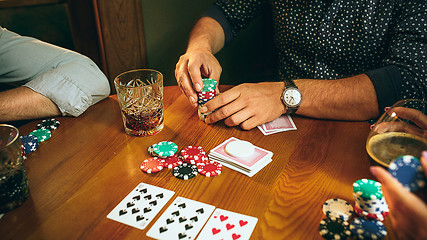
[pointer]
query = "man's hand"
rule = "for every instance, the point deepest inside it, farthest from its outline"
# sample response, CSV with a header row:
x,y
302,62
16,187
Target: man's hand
x,y
190,69
247,105
408,213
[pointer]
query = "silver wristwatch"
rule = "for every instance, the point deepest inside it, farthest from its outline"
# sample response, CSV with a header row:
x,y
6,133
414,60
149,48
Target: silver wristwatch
x,y
291,97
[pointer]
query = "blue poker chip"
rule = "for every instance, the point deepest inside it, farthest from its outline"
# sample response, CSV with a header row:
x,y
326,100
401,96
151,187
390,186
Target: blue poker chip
x,y
334,228
408,170
367,229
30,143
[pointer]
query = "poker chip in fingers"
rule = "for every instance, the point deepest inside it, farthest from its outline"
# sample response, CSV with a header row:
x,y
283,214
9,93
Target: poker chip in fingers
x,y
209,169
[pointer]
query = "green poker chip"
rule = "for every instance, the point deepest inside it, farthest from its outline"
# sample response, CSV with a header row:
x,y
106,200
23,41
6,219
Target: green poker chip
x,y
165,149
209,84
41,134
368,189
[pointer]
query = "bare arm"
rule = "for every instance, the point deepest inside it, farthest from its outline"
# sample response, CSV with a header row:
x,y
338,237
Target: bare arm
x,y
23,103
352,98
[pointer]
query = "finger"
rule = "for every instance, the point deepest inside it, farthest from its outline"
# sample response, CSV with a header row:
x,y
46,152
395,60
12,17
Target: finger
x,y
183,80
413,115
224,112
221,100
196,75
393,190
250,123
424,161
239,117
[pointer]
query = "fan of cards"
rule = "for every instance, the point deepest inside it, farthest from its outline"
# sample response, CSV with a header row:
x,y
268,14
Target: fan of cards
x,y
183,219
241,156
281,124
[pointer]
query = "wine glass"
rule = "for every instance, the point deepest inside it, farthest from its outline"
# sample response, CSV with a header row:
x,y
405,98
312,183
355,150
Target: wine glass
x,y
401,130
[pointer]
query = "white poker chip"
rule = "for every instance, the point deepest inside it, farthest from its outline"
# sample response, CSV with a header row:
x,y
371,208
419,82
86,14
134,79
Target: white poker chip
x,y
338,208
240,148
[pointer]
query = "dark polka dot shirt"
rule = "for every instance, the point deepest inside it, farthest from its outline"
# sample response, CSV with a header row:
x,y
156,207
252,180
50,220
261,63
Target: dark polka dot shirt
x,y
327,39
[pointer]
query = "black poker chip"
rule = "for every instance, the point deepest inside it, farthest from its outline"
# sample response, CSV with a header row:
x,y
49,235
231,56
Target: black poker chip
x,y
185,171
334,228
49,124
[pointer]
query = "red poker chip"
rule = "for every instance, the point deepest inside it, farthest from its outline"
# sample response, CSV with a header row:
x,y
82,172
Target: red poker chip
x,y
210,169
202,159
152,165
171,161
196,153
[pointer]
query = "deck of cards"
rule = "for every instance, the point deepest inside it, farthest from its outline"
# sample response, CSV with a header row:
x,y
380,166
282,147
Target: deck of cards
x,y
281,124
241,156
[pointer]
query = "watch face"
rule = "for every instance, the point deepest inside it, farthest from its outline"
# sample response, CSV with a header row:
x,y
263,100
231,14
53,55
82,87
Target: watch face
x,y
292,97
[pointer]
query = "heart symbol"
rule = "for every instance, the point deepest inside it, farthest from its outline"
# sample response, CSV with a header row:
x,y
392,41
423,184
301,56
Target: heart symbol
x,y
215,231
243,223
229,226
235,236
223,218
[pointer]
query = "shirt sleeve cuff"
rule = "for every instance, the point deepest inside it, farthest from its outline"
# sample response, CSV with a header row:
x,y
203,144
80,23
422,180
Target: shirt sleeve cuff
x,y
72,87
216,13
387,81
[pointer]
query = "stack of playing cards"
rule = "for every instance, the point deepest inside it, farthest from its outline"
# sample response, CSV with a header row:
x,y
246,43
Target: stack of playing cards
x,y
241,156
281,124
183,219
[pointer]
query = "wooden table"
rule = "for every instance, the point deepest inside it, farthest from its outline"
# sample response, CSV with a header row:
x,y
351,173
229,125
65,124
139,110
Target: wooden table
x,y
89,165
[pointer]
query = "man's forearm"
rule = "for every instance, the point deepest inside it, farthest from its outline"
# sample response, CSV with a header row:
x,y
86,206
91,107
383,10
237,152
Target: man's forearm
x,y
23,103
207,34
352,98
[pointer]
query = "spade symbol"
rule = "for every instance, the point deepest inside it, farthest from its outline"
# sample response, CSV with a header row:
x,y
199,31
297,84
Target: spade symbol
x,y
139,218
146,210
137,197
170,220
143,190
153,203
194,219
181,235
176,213
182,219
135,210
160,195
182,205
148,197
122,212
163,229
200,211
188,226
130,204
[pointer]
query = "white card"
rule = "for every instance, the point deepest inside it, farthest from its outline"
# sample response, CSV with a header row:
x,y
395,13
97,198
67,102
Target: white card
x,y
224,224
141,205
183,219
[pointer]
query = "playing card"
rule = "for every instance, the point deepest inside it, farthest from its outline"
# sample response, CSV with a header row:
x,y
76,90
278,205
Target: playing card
x,y
141,205
282,123
224,224
183,219
246,162
247,172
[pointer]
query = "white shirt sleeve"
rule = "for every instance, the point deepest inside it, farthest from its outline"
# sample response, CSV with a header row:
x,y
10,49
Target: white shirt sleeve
x,y
72,81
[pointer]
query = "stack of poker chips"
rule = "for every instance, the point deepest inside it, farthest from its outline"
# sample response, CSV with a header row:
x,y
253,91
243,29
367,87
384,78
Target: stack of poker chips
x,y
335,225
369,200
208,92
185,165
30,142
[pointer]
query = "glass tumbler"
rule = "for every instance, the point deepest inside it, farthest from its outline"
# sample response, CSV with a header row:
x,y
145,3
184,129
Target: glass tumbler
x,y
140,95
401,130
14,188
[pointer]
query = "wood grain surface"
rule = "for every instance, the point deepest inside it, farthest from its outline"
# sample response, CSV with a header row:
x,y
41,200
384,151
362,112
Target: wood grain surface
x,y
89,165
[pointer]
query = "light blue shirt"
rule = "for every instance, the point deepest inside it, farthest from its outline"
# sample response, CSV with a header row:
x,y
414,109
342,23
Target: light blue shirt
x,y
72,81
